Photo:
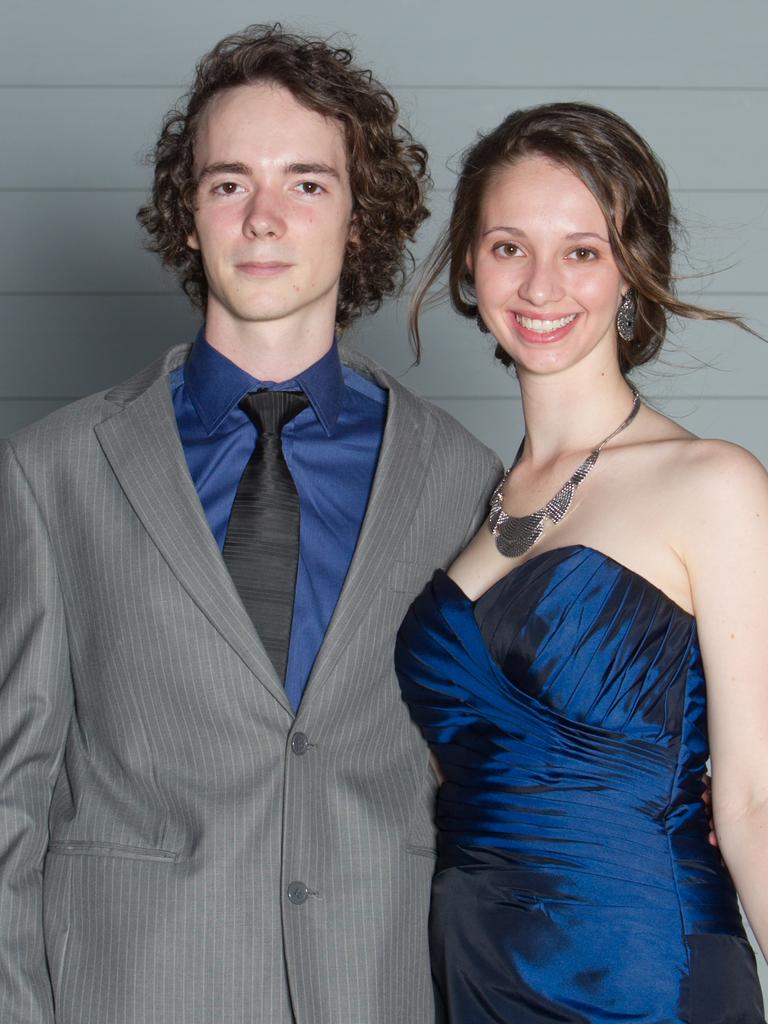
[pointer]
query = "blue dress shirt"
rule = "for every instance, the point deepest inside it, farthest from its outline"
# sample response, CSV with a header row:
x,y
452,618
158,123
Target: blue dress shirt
x,y
331,448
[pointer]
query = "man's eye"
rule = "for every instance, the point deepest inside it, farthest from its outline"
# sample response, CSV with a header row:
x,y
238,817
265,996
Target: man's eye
x,y
227,188
310,188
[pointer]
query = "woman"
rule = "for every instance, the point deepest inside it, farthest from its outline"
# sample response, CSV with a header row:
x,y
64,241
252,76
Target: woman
x,y
558,669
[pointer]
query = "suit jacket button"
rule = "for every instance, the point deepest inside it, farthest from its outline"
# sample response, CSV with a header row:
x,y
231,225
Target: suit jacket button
x,y
299,743
298,893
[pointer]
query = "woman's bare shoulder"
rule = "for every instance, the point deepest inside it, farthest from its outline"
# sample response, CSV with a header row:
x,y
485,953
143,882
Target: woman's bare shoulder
x,y
718,487
699,462
717,465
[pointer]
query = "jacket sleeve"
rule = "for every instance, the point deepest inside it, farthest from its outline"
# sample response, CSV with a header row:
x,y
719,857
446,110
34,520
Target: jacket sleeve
x,y
494,473
35,711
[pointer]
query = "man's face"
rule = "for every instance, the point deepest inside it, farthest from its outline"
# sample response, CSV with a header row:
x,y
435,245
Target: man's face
x,y
272,210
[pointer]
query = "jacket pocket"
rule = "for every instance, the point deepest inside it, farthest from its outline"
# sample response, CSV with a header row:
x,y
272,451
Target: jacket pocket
x,y
88,848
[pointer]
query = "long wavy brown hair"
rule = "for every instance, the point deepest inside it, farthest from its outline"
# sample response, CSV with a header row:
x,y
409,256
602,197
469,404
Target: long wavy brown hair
x,y
630,186
387,168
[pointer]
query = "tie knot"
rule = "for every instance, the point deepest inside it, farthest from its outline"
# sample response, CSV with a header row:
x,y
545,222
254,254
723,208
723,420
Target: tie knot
x,y
271,410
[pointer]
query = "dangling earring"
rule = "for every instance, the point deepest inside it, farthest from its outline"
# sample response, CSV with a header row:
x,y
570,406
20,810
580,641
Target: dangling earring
x,y
625,317
481,325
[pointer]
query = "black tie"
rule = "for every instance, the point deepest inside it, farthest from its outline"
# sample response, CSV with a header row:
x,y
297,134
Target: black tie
x,y
262,546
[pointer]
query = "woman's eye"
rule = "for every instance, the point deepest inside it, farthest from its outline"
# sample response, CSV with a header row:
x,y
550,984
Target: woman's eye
x,y
508,249
582,255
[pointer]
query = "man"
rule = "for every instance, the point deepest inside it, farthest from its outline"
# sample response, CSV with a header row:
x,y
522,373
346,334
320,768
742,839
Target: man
x,y
214,806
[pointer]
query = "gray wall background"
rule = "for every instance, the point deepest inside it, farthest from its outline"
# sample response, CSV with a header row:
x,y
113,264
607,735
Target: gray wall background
x,y
84,86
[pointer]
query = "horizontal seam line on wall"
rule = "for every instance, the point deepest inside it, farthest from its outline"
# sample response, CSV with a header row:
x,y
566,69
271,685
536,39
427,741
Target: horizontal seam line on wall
x,y
488,87
675,191
91,85
88,295
74,188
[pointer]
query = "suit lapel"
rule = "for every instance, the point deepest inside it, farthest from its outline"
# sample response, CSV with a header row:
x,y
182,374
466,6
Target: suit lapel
x,y
398,482
142,445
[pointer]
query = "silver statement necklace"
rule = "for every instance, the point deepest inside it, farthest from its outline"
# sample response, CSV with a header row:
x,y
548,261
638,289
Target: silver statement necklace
x,y
514,536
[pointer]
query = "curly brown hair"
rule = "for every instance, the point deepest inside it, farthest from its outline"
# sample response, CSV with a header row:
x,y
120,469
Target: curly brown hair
x,y
630,186
387,169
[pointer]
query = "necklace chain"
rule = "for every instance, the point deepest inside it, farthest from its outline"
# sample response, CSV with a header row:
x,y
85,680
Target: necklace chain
x,y
515,535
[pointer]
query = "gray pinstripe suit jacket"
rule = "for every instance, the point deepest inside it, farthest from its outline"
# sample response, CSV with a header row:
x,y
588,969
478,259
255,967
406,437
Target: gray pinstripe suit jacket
x,y
153,809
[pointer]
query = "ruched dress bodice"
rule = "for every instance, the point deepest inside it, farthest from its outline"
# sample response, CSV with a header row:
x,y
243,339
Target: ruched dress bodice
x,y
567,711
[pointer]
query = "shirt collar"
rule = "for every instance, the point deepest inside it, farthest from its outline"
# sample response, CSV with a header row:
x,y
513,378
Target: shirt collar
x,y
215,385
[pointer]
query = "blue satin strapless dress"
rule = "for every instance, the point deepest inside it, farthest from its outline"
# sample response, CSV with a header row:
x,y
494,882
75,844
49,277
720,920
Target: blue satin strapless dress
x,y
574,879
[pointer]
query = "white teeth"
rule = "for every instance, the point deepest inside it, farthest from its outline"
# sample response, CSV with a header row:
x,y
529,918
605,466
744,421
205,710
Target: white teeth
x,y
544,326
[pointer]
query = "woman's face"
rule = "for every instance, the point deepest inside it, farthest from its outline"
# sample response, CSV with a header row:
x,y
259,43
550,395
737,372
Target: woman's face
x,y
547,284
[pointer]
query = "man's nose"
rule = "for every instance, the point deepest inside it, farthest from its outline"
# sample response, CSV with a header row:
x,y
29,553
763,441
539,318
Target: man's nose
x,y
263,215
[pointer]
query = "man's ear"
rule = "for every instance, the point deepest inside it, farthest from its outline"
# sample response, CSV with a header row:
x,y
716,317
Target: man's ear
x,y
353,235
192,240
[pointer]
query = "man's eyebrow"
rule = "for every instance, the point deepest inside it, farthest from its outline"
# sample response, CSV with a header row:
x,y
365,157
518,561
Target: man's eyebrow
x,y
223,168
313,168
210,170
